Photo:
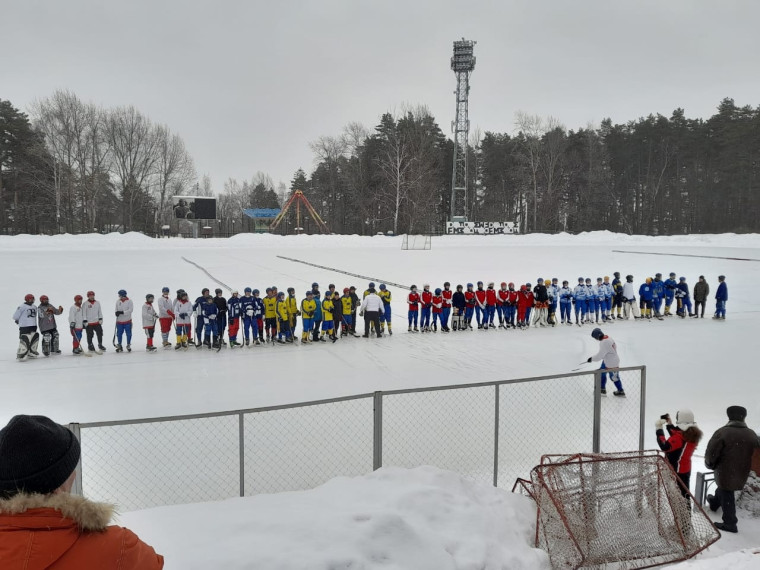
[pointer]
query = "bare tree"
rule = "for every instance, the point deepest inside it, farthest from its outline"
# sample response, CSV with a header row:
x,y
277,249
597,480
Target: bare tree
x,y
532,129
174,170
133,145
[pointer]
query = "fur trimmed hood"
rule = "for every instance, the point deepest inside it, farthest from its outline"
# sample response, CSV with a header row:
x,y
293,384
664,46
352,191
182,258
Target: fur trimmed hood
x,y
88,515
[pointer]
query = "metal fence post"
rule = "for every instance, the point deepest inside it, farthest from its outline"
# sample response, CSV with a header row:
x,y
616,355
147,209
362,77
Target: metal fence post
x,y
496,438
241,439
76,489
642,406
377,432
597,429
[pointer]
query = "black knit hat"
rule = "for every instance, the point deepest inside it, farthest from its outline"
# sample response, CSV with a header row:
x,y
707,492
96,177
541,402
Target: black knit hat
x,y
736,413
37,455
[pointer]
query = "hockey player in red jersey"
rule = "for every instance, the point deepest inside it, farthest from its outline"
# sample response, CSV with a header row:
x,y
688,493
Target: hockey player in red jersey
x,y
524,302
427,304
502,296
480,306
438,311
469,301
413,300
447,295
490,306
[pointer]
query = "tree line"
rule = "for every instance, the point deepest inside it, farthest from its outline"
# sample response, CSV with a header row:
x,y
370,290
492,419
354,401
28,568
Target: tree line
x,y
75,167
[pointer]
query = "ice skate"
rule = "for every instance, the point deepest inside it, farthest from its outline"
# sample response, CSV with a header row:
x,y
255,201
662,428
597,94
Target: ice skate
x,y
119,348
620,393
150,348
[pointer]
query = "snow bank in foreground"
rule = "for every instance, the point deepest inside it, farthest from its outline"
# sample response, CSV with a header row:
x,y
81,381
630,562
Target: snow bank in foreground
x,y
392,519
748,559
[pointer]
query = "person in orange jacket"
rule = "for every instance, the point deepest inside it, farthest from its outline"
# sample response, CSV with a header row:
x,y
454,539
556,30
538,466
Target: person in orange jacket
x,y
41,524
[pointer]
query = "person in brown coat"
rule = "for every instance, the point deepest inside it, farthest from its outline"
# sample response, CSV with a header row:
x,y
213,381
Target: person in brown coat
x,y
729,454
701,291
41,524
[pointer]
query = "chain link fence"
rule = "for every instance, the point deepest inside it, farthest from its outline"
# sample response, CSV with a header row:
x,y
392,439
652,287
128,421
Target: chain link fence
x,y
492,432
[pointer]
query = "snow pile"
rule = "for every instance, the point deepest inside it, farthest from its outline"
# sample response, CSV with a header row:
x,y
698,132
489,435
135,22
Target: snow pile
x,y
417,519
748,559
749,500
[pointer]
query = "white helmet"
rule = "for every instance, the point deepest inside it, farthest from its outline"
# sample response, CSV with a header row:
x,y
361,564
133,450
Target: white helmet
x,y
685,419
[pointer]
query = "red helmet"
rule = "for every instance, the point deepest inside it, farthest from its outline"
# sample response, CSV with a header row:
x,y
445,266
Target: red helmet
x,y
523,288
346,290
44,299
77,298
90,293
29,298
503,284
512,285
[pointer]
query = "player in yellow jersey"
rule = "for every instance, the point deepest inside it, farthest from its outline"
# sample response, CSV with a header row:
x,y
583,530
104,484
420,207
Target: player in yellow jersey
x,y
385,316
327,318
308,307
270,313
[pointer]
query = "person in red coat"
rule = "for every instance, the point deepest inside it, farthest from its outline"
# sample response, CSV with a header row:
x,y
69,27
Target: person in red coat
x,y
438,311
447,295
502,296
524,302
413,300
679,446
480,306
490,306
470,301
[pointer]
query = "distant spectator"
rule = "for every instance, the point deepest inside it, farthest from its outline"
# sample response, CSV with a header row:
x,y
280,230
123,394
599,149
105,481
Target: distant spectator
x,y
701,291
41,524
721,296
729,454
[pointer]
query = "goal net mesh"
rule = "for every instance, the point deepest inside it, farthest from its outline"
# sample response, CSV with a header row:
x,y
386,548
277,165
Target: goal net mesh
x,y
416,242
624,510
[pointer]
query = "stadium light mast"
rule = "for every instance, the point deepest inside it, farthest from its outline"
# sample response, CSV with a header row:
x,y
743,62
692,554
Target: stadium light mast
x,y
462,64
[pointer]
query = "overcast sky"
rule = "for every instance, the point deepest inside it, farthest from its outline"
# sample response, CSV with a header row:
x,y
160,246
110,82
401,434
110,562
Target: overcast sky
x,y
248,84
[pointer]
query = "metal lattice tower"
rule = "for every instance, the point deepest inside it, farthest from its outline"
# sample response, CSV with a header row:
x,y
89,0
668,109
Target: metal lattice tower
x,y
462,64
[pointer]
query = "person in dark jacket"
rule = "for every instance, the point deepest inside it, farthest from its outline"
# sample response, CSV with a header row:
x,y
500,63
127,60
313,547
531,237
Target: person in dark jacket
x,y
221,315
458,304
721,296
356,302
729,454
701,291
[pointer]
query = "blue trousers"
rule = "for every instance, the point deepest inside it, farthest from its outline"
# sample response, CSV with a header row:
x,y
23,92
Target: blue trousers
x,y
720,308
209,331
413,314
479,314
510,311
445,312
425,317
614,376
250,323
564,311
490,312
122,328
468,314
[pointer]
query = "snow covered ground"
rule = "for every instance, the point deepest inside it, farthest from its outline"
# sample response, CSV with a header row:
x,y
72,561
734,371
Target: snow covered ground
x,y
700,364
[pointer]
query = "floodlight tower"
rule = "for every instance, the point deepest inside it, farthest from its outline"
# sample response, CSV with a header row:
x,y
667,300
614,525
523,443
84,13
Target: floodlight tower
x,y
462,64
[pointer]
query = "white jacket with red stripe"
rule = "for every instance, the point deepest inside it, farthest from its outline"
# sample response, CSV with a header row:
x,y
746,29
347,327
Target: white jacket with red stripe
x,y
126,307
92,312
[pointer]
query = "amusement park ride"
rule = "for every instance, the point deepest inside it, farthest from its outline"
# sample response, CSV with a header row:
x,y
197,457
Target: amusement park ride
x,y
299,199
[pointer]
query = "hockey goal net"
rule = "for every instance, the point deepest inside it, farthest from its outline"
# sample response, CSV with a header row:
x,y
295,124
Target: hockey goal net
x,y
622,510
416,242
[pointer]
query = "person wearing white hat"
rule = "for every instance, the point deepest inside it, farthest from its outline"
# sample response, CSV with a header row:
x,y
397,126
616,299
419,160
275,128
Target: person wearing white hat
x,y
679,446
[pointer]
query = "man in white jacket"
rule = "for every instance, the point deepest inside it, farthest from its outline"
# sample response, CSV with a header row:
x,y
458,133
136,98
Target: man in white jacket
x,y
124,308
26,319
76,318
629,299
93,322
610,359
165,315
371,308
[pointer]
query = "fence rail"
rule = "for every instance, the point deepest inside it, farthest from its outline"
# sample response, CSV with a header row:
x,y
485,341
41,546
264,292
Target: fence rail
x,y
490,431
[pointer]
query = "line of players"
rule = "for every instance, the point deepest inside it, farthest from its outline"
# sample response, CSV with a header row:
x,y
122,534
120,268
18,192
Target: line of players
x,y
256,320
602,302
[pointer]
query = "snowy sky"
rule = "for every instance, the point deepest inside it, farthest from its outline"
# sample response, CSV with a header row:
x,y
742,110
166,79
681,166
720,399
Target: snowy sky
x,y
249,83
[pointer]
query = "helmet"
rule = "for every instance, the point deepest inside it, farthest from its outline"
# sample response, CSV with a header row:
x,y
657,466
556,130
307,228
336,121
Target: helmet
x,y
528,285
564,282
658,274
248,290
235,292
672,274
685,418
629,278
649,279
328,294
588,279
447,284
426,285
597,333
345,290
184,294
309,292
281,295
331,286
204,290
598,279
292,290
413,287
92,293
77,298
44,299
149,297
315,285
512,285
217,290
490,284
555,279
268,289
539,281
352,288
122,293
580,279
371,284
617,274
682,278
437,291
523,288
503,284
165,290
382,286
480,283
606,277
459,287
255,291
469,285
